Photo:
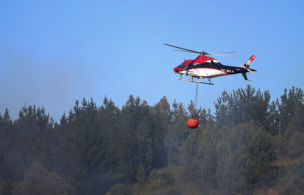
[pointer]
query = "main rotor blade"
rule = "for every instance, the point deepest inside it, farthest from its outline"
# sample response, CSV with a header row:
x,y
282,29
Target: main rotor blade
x,y
201,52
226,56
223,52
213,54
183,49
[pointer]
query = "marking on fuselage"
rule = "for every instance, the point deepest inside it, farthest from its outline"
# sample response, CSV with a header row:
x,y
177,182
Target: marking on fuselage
x,y
227,70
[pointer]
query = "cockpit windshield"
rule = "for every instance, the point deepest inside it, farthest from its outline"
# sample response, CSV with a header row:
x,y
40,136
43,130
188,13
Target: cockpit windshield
x,y
183,65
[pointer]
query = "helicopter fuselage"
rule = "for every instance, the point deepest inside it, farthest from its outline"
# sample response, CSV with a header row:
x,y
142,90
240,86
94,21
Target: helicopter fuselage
x,y
210,70
207,67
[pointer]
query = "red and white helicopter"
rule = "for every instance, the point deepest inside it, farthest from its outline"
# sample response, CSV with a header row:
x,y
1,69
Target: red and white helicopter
x,y
206,67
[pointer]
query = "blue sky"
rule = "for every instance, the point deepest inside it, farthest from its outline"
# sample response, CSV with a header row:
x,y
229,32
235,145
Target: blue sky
x,y
54,52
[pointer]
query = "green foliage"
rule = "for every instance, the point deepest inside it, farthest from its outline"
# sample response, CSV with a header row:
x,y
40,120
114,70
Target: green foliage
x,y
39,181
93,148
292,111
119,189
281,170
301,168
176,135
260,154
245,105
280,146
141,174
296,145
6,187
161,178
292,190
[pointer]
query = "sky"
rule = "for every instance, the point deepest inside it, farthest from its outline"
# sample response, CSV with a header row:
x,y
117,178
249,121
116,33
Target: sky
x,y
53,53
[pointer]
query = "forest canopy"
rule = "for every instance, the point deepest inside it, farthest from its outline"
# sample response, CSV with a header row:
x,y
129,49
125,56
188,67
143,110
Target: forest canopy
x,y
249,145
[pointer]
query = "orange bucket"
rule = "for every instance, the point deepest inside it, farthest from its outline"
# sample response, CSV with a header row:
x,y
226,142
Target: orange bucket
x,y
193,123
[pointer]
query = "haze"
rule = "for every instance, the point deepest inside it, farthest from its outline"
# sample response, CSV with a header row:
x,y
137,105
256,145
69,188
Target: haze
x,y
54,52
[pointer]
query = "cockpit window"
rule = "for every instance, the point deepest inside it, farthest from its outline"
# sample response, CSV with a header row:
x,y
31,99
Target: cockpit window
x,y
184,65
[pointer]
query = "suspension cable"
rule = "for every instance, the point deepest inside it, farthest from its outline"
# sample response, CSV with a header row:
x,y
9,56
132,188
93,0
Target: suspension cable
x,y
196,95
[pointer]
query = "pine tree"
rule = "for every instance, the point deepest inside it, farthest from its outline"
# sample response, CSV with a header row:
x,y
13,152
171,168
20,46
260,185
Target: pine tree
x,y
292,111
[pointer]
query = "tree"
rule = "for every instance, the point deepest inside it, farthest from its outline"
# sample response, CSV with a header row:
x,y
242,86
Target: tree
x,y
260,154
141,174
176,135
292,190
295,145
6,187
7,139
292,110
39,181
245,105
119,189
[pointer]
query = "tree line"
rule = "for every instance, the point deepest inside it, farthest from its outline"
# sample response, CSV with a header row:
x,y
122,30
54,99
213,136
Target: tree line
x,y
249,143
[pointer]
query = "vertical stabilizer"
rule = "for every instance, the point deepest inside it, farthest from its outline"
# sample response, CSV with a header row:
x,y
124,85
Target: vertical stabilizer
x,y
247,64
245,76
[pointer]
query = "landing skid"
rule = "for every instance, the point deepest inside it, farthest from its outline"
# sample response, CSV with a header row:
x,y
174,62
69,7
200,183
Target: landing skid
x,y
195,81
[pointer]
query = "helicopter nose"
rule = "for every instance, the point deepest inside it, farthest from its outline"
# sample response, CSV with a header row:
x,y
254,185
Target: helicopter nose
x,y
175,69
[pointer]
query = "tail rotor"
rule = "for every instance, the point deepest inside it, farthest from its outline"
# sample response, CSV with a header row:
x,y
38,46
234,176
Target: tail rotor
x,y
247,64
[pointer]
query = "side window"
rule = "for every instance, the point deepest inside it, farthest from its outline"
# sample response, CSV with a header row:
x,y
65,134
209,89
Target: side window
x,y
184,65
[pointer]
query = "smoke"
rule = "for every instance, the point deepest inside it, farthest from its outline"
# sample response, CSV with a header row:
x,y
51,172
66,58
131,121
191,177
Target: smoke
x,y
51,83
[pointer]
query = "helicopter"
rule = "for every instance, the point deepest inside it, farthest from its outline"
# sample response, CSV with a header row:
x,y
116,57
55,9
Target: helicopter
x,y
204,66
